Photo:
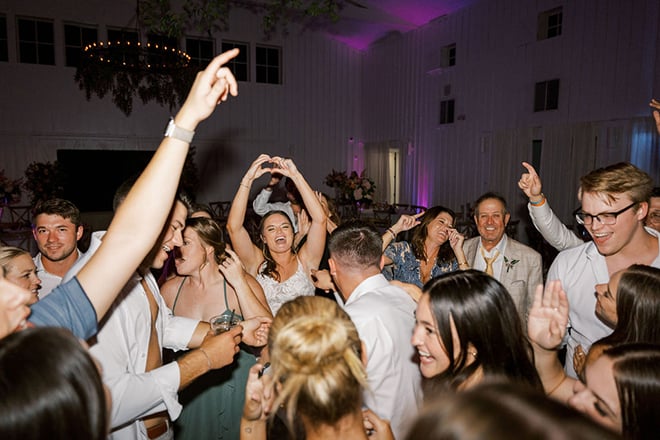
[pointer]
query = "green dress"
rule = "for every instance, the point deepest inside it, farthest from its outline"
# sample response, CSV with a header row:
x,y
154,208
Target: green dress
x,y
213,403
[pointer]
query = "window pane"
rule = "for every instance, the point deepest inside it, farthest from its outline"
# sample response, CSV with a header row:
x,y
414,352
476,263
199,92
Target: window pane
x,y
71,35
114,35
45,32
4,51
239,66
46,54
89,35
273,57
539,97
262,74
206,49
242,56
537,145
552,99
273,75
192,48
28,52
447,111
240,72
262,55
26,30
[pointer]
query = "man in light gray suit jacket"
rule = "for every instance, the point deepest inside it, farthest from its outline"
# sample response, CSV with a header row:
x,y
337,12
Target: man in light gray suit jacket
x,y
516,266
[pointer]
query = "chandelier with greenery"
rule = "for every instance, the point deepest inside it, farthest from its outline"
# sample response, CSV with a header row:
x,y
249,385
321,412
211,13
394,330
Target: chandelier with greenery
x,y
155,72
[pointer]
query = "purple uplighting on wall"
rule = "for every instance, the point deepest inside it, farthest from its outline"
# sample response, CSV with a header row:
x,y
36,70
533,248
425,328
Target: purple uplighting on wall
x,y
358,27
419,14
423,186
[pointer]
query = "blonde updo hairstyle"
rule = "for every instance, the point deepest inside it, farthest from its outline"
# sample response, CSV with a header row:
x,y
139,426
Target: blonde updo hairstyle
x,y
315,360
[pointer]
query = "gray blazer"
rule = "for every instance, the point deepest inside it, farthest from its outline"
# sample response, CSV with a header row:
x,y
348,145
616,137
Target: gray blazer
x,y
520,279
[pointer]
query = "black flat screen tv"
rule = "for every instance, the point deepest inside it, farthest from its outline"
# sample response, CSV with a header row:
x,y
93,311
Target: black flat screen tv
x,y
91,177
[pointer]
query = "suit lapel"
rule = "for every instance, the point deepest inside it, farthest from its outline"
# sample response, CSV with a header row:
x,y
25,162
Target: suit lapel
x,y
471,250
511,254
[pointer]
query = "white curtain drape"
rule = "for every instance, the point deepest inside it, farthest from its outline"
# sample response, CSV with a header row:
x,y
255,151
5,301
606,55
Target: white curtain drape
x,y
377,166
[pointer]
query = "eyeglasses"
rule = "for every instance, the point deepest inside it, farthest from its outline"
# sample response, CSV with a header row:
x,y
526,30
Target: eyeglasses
x,y
605,218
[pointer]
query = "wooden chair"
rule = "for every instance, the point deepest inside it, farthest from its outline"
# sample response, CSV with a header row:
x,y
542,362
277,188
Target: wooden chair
x,y
382,218
408,209
220,210
19,216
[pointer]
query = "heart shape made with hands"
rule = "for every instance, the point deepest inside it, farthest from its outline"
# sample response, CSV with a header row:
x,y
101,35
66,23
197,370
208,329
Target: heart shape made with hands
x,y
274,164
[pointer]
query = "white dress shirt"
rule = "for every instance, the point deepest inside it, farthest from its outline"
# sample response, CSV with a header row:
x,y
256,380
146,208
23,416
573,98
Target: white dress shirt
x,y
122,346
48,280
384,316
579,269
480,263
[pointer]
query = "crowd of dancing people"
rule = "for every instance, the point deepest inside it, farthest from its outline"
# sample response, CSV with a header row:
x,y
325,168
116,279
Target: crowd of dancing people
x,y
173,325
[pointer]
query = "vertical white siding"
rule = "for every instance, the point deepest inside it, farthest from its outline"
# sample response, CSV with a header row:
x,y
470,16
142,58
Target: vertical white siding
x,y
605,59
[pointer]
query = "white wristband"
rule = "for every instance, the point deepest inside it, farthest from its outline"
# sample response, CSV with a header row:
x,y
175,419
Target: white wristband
x,y
178,133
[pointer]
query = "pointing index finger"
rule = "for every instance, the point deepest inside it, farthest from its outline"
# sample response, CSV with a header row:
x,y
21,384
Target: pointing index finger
x,y
530,169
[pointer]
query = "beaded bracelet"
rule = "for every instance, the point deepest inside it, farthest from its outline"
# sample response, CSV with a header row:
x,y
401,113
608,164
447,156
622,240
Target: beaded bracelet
x,y
540,202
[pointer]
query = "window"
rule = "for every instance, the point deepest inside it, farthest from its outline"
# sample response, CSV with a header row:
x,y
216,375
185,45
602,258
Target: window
x,y
36,42
200,51
239,66
117,36
4,53
448,55
122,35
75,39
537,147
158,58
546,95
447,111
268,65
549,24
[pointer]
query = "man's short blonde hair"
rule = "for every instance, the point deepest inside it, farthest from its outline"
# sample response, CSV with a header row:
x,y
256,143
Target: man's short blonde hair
x,y
614,180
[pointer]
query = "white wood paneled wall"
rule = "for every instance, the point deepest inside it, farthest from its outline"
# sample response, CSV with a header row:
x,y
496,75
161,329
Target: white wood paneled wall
x,y
335,100
606,60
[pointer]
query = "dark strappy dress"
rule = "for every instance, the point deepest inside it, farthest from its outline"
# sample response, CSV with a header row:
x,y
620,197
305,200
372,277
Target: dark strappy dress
x,y
213,404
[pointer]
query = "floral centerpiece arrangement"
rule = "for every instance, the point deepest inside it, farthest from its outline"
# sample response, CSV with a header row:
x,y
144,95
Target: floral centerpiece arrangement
x,y
43,180
351,188
10,190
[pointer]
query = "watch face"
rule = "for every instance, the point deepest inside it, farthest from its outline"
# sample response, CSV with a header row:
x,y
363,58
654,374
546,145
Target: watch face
x,y
169,128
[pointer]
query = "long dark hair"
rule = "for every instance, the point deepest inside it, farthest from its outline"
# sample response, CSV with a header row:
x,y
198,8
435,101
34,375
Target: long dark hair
x,y
270,269
445,253
484,316
501,411
637,378
50,388
637,307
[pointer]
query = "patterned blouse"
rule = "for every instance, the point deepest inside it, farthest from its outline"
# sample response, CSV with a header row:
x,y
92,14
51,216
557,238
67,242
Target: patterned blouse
x,y
405,267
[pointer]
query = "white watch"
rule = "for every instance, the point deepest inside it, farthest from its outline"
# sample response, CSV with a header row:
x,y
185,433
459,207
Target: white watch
x,y
178,133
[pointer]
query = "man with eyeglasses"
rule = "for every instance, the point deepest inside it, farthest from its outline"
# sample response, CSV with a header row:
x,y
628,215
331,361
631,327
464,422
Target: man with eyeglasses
x,y
614,205
653,217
